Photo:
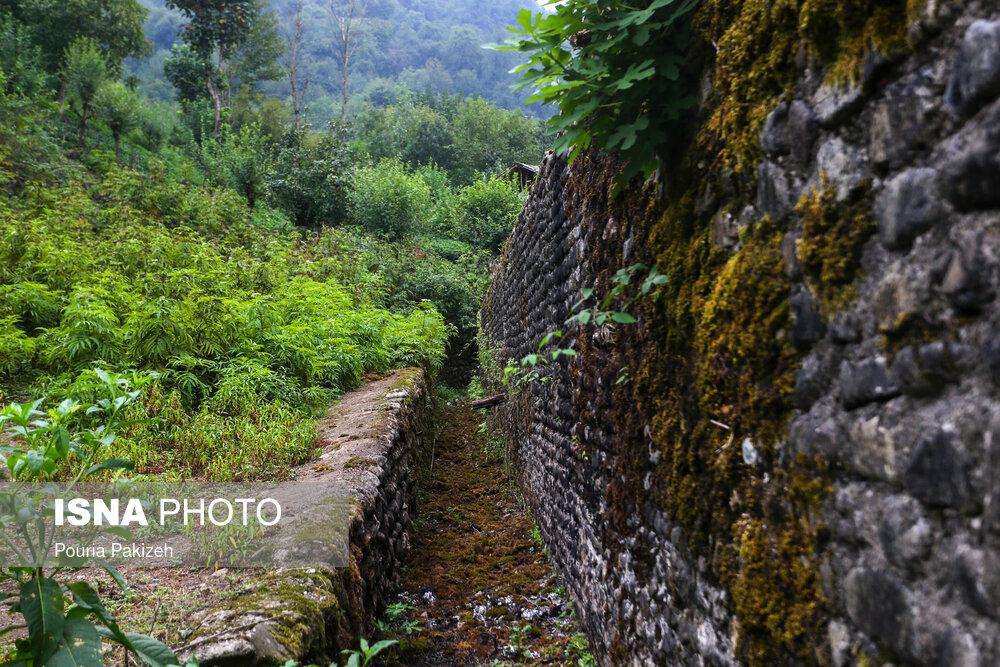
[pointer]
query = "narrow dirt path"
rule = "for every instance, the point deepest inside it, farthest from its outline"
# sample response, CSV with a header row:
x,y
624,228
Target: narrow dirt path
x,y
477,588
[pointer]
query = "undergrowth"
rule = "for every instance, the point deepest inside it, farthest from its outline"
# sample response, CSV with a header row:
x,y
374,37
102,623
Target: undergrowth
x,y
248,330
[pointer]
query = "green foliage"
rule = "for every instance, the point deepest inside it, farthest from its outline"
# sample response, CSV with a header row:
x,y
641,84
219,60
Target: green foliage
x,y
256,58
535,367
248,328
419,45
215,25
70,441
484,212
213,31
365,655
395,619
20,59
27,148
309,180
488,140
16,349
388,198
84,72
239,159
118,107
455,288
187,72
448,249
253,108
53,25
614,72
465,137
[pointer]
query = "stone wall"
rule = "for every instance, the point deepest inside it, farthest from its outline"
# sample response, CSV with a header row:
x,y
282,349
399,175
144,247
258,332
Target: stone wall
x,y
311,615
790,458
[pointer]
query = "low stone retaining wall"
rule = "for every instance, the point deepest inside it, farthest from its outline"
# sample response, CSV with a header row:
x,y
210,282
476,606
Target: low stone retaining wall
x,y
309,614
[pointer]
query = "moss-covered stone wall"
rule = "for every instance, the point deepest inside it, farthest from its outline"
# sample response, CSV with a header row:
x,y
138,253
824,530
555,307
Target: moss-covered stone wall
x,y
311,615
789,459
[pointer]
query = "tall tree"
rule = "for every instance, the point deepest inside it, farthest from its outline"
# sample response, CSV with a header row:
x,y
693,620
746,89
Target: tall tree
x,y
345,14
255,58
298,80
84,71
115,26
118,106
214,30
187,72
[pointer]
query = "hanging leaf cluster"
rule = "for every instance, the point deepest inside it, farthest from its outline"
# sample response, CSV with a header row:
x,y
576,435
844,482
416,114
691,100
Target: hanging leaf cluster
x,y
613,69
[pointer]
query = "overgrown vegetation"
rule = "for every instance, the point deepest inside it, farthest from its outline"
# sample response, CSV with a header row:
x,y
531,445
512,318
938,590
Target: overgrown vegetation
x,y
69,442
238,265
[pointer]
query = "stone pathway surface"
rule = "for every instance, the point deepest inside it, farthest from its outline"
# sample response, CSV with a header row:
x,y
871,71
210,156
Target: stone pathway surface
x,y
477,587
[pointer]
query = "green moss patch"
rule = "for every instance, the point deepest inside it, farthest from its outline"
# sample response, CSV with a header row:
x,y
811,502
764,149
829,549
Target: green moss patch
x,y
833,236
760,46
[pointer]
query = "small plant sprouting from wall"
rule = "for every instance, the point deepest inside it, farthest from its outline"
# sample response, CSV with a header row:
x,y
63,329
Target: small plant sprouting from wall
x,y
534,367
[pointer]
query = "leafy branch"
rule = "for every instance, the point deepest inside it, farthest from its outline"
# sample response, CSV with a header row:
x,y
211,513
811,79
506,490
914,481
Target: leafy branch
x,y
614,72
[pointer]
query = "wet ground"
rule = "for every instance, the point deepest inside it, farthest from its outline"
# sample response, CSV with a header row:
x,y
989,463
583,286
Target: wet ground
x,y
477,587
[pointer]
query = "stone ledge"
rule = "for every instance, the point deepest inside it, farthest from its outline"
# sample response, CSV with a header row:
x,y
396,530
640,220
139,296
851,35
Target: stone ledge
x,y
310,614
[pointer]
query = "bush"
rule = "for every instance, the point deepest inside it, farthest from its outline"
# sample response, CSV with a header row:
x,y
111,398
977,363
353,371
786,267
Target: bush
x,y
484,212
455,289
308,180
448,249
388,199
16,349
239,159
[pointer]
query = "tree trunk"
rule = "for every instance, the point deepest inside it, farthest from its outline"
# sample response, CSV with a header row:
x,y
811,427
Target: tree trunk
x,y
490,402
216,106
81,130
62,109
343,104
118,153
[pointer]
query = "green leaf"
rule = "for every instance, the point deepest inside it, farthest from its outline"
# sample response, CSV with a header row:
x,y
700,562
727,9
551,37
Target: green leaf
x,y
623,318
151,651
60,438
111,464
115,574
35,460
524,17
43,610
119,531
378,647
85,596
80,647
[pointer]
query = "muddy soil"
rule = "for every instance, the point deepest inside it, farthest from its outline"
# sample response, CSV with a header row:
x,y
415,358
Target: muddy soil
x,y
477,587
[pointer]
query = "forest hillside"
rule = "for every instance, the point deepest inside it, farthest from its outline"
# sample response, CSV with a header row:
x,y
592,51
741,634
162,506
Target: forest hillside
x,y
417,45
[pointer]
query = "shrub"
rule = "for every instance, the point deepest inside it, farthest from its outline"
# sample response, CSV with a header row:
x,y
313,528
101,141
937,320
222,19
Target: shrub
x,y
453,288
240,159
448,249
16,348
484,212
387,198
308,180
